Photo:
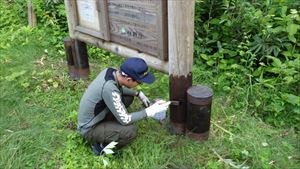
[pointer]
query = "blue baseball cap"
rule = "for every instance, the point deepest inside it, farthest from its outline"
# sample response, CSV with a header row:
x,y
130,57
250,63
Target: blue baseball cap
x,y
137,69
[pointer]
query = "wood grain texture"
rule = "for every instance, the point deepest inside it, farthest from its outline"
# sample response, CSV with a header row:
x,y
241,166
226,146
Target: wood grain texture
x,y
103,11
124,51
80,19
138,24
181,36
70,6
162,29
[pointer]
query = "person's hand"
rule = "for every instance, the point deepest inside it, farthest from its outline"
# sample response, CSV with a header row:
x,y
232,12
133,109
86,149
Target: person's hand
x,y
159,106
144,99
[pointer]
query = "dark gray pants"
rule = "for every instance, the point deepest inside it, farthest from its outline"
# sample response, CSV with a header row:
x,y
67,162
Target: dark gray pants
x,y
111,130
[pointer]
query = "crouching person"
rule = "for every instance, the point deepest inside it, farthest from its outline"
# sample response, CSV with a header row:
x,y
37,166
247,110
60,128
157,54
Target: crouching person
x,y
103,115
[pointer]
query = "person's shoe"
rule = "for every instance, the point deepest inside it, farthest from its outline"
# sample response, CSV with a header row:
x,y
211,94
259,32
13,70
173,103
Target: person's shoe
x,y
97,149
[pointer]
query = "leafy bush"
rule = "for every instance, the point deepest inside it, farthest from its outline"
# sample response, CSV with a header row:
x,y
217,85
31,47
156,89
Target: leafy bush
x,y
51,19
9,34
51,14
255,44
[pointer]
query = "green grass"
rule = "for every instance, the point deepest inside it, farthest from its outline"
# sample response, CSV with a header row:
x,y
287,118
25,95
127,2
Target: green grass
x,y
39,105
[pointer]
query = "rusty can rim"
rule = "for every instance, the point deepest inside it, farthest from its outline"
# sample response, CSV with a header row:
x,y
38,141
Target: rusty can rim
x,y
200,91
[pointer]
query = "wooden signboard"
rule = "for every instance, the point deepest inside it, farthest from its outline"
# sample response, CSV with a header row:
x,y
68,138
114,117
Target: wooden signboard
x,y
92,18
140,24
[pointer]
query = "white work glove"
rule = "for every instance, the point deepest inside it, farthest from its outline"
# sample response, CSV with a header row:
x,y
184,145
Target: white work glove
x,y
144,99
160,115
158,109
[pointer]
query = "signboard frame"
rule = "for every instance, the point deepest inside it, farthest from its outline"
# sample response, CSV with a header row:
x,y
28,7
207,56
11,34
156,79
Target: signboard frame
x,y
105,33
101,16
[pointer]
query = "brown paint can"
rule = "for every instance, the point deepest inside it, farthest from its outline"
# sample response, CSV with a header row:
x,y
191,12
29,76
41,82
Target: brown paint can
x,y
199,100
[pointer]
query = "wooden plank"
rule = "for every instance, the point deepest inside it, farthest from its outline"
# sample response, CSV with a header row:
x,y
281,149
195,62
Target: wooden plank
x,y
141,13
181,36
121,50
103,19
89,31
134,23
71,13
162,29
138,38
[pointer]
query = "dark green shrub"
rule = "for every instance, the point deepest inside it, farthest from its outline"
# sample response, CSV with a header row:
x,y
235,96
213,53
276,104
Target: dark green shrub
x,y
259,39
51,16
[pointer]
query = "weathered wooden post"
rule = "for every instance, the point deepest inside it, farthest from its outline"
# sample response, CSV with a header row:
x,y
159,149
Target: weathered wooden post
x,y
181,39
69,45
81,60
79,49
69,7
31,14
77,58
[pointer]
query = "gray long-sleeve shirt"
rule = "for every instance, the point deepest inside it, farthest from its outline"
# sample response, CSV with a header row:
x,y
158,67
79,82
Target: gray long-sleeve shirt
x,y
104,95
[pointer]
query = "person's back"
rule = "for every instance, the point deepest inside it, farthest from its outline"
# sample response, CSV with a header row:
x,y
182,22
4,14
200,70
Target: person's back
x,y
92,103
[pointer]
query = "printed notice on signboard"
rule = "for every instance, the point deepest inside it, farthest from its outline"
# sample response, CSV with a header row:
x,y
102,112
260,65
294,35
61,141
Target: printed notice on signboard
x,y
86,11
134,23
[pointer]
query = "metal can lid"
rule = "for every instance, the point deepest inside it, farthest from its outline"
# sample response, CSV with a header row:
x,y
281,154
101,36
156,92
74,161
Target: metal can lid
x,y
200,92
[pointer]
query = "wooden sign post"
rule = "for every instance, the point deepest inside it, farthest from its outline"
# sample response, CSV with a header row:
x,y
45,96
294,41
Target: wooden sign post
x,y
31,14
181,40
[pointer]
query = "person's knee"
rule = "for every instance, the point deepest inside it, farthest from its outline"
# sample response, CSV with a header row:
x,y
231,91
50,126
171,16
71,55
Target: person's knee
x,y
130,132
134,131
